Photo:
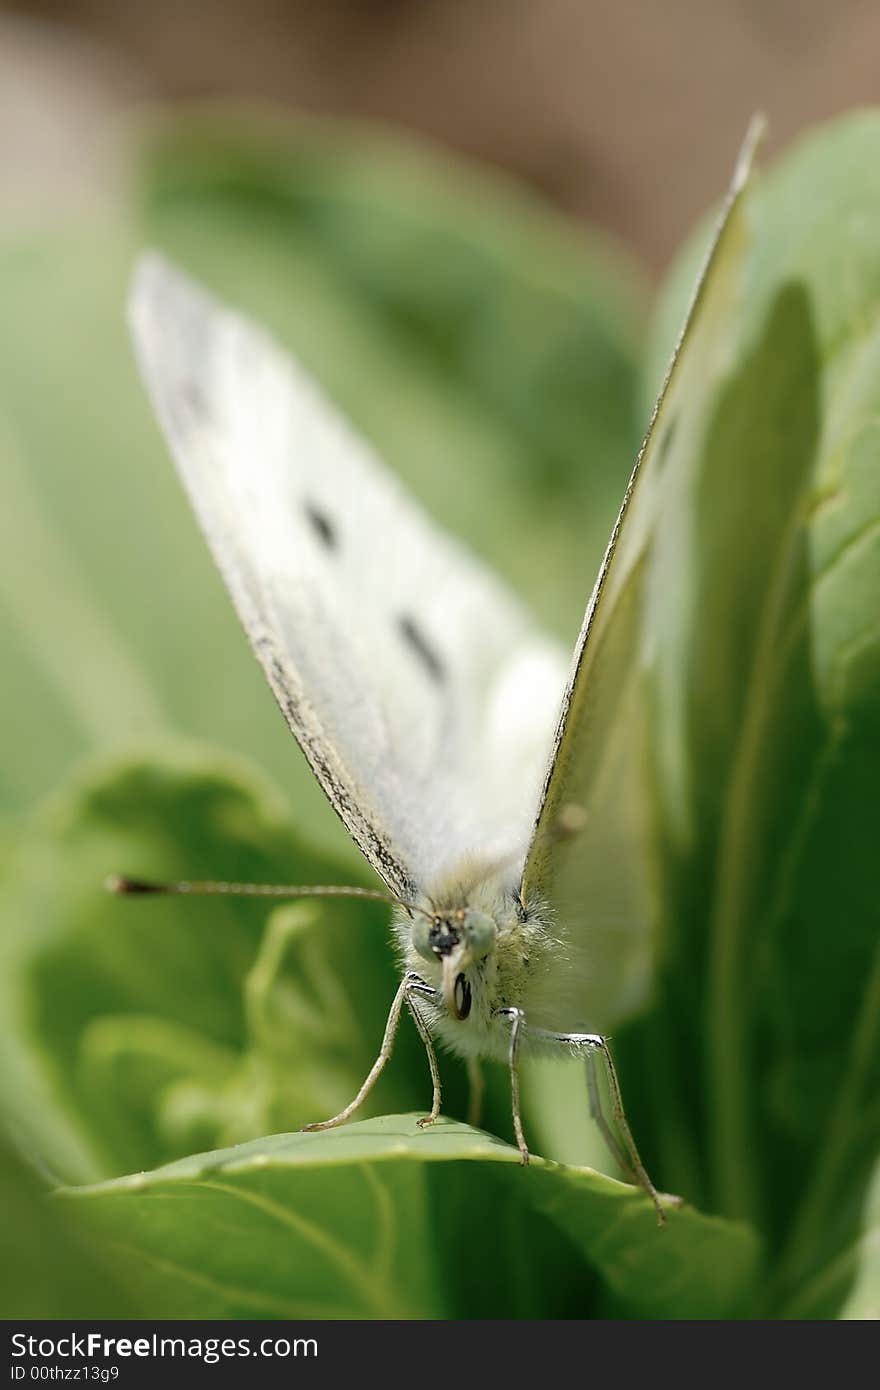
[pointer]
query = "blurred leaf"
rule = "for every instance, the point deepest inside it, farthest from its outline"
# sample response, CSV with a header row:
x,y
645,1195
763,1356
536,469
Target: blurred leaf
x,y
762,1054
139,1029
849,1285
863,1299
381,1219
149,1016
47,1269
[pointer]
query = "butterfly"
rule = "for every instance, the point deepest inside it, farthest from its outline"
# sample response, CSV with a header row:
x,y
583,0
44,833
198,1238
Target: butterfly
x,y
498,791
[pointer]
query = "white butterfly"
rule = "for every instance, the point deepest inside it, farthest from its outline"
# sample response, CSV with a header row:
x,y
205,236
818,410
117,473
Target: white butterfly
x,y
424,697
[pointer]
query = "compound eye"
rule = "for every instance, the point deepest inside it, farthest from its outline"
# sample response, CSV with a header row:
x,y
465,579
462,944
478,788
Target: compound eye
x,y
479,931
421,938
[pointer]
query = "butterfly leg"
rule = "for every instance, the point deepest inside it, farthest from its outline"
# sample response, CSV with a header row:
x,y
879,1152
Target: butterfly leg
x,y
416,987
378,1066
517,1023
617,1110
587,1045
476,1092
597,1114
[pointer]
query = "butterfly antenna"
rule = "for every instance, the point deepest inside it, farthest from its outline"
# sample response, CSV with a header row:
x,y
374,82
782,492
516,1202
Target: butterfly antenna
x,y
124,886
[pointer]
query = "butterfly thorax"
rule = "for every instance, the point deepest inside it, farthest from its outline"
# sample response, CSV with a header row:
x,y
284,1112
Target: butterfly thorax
x,y
474,943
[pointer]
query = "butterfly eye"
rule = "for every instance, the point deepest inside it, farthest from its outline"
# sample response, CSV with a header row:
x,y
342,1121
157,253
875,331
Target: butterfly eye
x,y
462,997
479,933
421,937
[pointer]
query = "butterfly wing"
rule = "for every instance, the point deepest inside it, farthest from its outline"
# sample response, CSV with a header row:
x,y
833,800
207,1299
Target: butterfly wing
x,y
418,689
589,860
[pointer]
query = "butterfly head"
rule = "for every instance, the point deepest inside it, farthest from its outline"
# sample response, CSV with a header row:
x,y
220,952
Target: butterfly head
x,y
455,940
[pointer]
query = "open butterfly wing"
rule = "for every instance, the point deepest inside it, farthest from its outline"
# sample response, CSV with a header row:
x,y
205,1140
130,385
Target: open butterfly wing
x,y
419,691
590,859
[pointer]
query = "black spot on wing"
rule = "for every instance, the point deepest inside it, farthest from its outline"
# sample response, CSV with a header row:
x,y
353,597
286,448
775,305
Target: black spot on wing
x,y
188,405
195,399
421,648
322,526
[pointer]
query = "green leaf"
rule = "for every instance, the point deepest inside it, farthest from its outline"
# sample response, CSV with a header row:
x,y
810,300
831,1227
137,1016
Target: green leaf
x,y
138,1029
48,1269
381,1219
157,1022
766,1028
863,1298
847,1286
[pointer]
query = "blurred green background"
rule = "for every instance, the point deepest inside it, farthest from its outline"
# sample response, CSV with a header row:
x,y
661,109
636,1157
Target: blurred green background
x,y
500,356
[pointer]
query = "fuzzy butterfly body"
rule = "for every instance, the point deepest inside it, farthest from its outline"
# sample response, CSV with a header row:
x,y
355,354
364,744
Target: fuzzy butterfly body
x,y
499,791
